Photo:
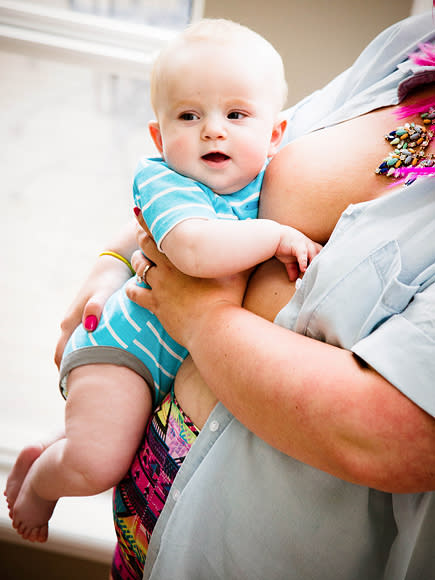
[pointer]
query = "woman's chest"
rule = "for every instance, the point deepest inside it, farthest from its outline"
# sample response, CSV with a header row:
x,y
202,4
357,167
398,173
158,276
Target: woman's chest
x,y
323,172
346,156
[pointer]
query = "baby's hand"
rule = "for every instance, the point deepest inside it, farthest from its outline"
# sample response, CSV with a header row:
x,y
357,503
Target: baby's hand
x,y
296,251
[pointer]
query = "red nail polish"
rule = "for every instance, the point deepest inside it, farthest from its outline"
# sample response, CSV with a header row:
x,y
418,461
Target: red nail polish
x,y
91,323
136,210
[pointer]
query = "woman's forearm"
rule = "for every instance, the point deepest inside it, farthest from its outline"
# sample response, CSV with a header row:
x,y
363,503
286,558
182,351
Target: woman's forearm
x,y
314,402
124,242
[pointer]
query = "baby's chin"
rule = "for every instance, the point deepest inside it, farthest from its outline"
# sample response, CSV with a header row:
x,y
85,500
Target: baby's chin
x,y
226,190
222,187
220,183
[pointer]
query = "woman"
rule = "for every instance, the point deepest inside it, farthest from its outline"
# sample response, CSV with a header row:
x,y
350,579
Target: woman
x,y
319,458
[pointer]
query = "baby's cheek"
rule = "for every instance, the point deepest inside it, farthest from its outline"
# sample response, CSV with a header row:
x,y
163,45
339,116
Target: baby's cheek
x,y
177,153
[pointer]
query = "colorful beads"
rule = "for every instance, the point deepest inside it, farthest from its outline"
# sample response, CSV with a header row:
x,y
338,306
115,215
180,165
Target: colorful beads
x,y
410,142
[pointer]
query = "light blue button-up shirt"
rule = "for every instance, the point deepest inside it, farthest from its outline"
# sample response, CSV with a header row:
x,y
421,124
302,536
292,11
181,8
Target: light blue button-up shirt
x,y
241,510
373,289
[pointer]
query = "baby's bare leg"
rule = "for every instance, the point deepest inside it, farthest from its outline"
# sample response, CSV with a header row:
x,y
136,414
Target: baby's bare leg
x,y
23,463
105,417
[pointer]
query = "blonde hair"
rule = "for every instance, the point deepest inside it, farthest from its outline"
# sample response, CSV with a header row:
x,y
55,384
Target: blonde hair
x,y
221,32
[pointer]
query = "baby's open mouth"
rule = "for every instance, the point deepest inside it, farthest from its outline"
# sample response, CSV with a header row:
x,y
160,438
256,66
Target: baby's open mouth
x,y
216,157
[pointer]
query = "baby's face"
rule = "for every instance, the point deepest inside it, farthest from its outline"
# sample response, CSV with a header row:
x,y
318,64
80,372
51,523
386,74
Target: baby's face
x,y
216,114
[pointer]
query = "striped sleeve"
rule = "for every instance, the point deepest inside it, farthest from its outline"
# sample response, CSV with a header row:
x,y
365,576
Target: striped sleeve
x,y
167,198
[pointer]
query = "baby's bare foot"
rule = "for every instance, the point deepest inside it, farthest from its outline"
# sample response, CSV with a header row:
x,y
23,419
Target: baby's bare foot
x,y
19,471
31,514
34,534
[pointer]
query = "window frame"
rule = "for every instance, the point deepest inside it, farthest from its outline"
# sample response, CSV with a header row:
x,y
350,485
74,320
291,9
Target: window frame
x,y
111,47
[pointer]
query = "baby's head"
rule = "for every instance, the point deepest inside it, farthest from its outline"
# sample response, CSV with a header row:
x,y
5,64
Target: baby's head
x,y
217,92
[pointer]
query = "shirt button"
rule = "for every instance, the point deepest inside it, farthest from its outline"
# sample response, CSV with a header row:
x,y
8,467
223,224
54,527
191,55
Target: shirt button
x,y
175,494
214,426
349,210
298,283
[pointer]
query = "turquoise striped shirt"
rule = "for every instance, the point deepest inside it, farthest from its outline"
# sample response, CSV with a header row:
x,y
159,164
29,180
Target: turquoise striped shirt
x,y
167,198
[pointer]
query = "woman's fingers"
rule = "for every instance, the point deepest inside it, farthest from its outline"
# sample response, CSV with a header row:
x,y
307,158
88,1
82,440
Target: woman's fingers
x,y
93,310
65,333
106,277
144,238
140,295
140,220
89,315
138,262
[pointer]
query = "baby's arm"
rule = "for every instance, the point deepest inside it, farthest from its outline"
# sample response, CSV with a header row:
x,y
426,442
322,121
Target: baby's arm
x,y
215,248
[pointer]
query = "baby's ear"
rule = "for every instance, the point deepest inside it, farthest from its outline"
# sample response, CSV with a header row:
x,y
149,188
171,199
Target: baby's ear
x,y
156,136
277,135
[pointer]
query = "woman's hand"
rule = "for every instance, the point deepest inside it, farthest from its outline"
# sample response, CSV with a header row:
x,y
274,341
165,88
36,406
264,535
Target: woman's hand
x,y
107,275
178,300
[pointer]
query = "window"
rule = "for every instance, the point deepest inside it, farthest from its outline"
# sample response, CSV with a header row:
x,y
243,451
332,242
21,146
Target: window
x,y
74,116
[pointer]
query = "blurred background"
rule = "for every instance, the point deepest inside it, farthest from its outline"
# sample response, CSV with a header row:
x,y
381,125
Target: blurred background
x,y
73,123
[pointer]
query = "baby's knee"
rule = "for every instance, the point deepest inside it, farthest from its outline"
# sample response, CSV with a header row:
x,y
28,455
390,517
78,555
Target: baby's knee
x,y
97,467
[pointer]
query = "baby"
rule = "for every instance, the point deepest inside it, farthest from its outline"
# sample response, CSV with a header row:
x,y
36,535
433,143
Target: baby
x,y
217,92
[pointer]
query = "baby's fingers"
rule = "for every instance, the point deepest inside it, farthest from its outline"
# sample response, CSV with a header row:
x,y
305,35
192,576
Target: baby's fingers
x,y
292,270
301,252
305,251
313,249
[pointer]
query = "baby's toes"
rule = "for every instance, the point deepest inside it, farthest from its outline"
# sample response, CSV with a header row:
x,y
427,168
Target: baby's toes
x,y
42,534
22,529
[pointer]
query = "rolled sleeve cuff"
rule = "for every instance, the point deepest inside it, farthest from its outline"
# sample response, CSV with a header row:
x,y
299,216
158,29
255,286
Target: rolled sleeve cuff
x,y
405,356
102,355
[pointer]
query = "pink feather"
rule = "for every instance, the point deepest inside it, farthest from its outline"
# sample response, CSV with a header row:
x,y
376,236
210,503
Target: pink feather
x,y
425,56
420,107
415,172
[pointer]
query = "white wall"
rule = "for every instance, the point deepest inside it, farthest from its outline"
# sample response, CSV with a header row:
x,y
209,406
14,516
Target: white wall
x,y
316,38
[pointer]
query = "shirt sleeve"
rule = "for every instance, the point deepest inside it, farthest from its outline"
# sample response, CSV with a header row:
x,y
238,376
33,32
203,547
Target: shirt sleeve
x,y
167,198
402,350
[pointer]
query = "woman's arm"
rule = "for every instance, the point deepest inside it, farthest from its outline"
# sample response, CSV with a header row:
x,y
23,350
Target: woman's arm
x,y
107,275
311,400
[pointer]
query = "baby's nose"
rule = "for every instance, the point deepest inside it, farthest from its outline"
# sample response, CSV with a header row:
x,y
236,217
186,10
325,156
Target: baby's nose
x,y
213,129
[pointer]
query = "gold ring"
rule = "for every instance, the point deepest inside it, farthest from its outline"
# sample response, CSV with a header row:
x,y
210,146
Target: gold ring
x,y
144,274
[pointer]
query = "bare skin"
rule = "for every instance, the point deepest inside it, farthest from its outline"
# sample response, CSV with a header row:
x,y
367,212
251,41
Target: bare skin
x,y
93,454
32,512
21,467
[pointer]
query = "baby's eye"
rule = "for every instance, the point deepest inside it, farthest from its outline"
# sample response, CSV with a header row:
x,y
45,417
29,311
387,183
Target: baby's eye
x,y
236,115
188,117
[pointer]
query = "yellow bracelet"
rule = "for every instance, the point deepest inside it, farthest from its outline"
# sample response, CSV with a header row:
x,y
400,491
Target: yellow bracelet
x,y
119,257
